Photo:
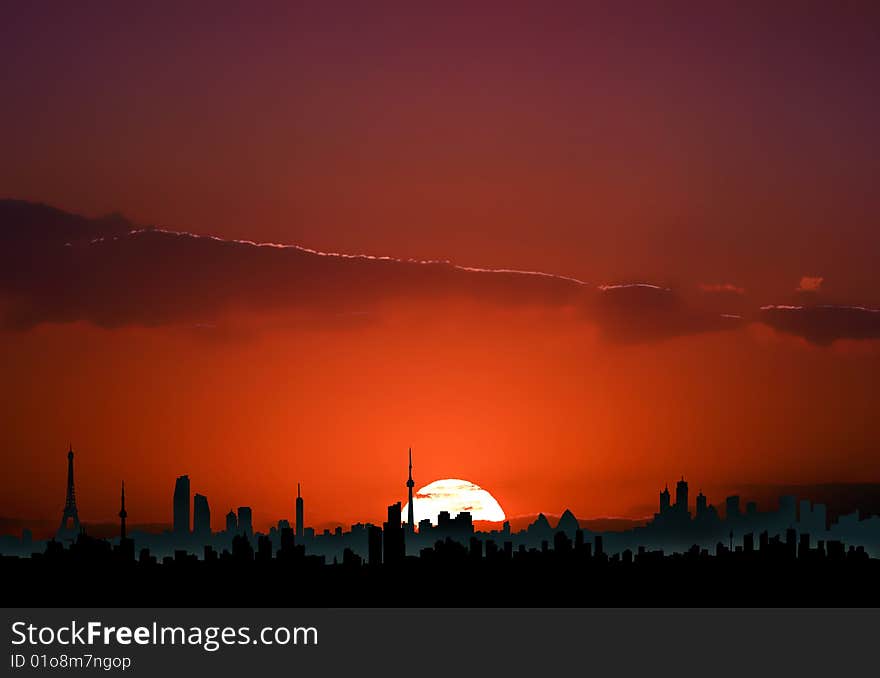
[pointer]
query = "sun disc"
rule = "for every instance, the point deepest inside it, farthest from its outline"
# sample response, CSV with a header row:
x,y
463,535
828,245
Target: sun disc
x,y
456,496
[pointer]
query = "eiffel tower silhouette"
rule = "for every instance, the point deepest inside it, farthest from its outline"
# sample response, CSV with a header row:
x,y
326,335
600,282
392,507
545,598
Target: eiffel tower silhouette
x,y
69,527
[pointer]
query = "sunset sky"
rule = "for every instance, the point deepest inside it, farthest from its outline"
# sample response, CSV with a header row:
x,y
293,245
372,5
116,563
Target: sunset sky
x,y
698,185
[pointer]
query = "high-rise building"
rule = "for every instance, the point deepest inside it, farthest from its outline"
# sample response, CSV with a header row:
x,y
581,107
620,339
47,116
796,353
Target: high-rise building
x,y
702,504
732,507
664,500
287,542
245,521
181,506
231,522
69,527
394,515
410,517
300,527
393,544
462,525
201,516
681,495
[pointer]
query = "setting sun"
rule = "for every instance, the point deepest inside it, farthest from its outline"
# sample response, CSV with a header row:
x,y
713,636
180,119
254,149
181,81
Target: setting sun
x,y
455,495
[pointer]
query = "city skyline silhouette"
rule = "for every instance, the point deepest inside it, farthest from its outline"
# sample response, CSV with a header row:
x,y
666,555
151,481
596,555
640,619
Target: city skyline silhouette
x,y
797,538
488,338
426,304
191,513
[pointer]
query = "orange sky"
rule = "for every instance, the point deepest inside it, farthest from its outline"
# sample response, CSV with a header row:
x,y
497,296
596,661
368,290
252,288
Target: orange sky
x,y
726,154
527,404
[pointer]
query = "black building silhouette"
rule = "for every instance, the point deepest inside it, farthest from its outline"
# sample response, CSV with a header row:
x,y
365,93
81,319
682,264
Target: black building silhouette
x,y
245,521
393,540
201,516
374,545
181,506
300,526
681,496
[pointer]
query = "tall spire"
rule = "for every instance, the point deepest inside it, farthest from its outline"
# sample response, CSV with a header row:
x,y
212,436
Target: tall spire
x,y
123,514
69,527
410,514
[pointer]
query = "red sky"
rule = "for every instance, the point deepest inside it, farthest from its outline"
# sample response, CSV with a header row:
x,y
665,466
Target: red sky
x,y
689,147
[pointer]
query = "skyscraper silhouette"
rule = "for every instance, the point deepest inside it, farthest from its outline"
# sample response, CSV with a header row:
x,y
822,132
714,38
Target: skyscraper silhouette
x,y
732,507
410,519
681,495
702,504
181,506
393,544
300,528
69,527
245,521
664,500
201,516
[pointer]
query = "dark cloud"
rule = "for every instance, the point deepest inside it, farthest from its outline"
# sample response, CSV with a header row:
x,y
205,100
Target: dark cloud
x,y
639,312
109,273
727,298
823,324
58,267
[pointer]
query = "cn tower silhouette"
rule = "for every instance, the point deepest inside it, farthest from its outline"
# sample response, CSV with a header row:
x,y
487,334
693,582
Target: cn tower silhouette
x,y
410,519
123,514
